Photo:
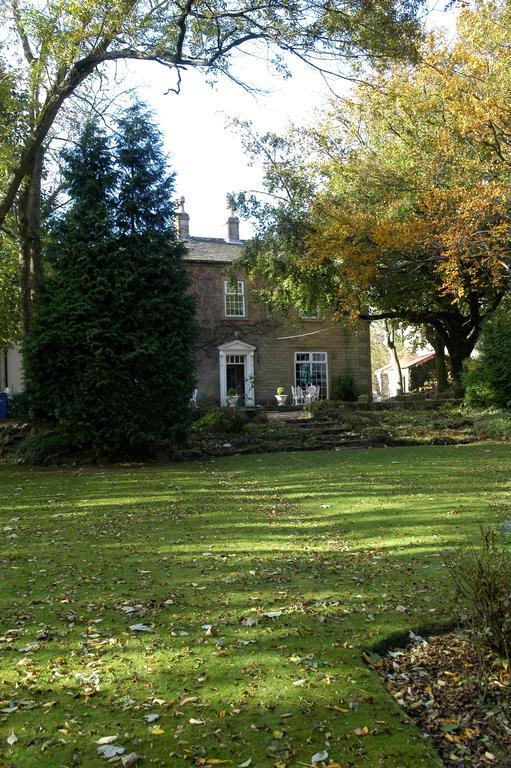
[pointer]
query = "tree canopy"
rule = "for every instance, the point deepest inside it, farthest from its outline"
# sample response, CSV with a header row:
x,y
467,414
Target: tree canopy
x,y
62,43
409,211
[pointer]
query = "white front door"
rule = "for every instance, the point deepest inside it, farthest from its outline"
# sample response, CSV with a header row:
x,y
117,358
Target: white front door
x,y
236,364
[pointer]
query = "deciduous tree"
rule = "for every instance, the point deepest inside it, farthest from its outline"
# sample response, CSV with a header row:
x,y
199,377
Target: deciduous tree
x,y
61,44
410,214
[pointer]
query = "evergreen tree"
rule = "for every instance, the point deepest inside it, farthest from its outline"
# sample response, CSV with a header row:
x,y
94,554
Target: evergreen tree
x,y
109,355
160,314
60,349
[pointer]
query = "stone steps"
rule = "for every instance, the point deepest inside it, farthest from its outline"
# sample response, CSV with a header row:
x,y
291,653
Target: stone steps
x,y
280,447
301,435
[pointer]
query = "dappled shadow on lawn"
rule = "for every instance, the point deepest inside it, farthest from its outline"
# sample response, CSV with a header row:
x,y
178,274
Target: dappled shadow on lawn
x,y
231,598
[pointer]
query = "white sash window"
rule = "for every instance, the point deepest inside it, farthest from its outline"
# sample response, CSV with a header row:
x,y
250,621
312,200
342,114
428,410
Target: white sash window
x,y
234,296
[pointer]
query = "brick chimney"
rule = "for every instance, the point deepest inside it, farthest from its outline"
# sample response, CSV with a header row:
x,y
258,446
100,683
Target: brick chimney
x,y
233,225
183,221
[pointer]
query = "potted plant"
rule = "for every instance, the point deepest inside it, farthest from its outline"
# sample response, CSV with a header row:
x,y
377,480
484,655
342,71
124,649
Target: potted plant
x,y
281,396
232,397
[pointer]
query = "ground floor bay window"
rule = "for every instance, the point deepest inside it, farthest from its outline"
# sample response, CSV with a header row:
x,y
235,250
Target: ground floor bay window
x,y
312,368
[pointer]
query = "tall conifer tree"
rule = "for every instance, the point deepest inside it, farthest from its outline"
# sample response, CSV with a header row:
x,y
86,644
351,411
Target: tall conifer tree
x,y
60,360
109,358
160,316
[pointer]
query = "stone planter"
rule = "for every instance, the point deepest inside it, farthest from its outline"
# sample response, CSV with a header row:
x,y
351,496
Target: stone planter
x,y
281,399
232,400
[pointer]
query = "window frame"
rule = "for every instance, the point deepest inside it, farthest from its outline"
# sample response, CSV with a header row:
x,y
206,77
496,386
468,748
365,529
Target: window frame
x,y
310,362
239,294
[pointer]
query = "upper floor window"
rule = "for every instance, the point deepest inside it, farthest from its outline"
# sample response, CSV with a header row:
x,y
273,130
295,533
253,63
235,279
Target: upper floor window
x,y
234,295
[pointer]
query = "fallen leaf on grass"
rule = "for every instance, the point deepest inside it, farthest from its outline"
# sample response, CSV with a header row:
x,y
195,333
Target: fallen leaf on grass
x,y
110,750
140,628
131,759
106,739
319,757
248,621
372,659
29,648
188,700
12,739
361,731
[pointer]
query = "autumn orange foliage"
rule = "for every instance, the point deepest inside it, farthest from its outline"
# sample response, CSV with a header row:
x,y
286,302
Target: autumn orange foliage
x,y
425,175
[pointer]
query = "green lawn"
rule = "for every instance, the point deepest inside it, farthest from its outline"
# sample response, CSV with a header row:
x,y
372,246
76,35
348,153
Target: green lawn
x,y
342,547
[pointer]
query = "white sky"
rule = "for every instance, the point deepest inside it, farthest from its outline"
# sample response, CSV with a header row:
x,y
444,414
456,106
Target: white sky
x,y
205,153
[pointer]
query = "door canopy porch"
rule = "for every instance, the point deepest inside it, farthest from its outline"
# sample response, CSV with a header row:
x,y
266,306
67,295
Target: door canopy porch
x,y
244,352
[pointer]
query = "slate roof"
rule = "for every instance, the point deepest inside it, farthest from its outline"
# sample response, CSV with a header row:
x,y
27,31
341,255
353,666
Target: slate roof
x,y
212,249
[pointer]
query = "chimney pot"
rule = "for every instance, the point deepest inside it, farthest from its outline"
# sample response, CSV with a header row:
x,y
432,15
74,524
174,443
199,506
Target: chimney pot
x,y
183,221
233,225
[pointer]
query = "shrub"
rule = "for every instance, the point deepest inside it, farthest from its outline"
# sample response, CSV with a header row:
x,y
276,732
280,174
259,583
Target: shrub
x,y
46,448
18,407
493,423
482,579
345,389
325,409
488,378
222,422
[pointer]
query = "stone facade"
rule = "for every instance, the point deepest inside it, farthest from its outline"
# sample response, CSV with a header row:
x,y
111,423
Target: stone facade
x,y
255,347
254,353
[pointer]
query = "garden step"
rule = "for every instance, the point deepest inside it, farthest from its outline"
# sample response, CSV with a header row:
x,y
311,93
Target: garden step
x,y
309,424
289,447
326,428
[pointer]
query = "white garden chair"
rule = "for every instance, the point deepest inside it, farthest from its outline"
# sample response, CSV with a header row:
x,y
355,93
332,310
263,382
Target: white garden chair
x,y
297,395
193,398
311,394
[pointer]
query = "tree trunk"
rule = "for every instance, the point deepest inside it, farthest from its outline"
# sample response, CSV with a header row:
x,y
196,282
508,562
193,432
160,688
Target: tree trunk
x,y
459,348
29,230
394,356
440,363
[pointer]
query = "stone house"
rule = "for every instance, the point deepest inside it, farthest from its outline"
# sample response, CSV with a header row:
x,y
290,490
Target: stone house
x,y
242,347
